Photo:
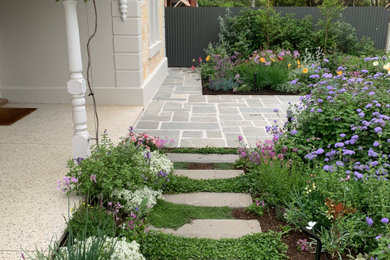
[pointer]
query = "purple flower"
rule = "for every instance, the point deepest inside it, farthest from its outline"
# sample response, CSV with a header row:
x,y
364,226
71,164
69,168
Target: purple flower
x,y
378,130
348,152
240,137
276,110
293,82
319,151
358,175
372,153
319,110
74,180
338,145
342,135
361,114
339,164
371,93
364,71
368,106
376,143
378,237
326,60
385,220
369,221
293,132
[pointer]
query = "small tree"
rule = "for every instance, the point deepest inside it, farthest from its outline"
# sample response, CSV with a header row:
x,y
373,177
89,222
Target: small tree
x,y
330,11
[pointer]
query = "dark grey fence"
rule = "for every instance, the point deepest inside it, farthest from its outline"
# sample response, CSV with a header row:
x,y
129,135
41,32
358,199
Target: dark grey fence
x,y
189,30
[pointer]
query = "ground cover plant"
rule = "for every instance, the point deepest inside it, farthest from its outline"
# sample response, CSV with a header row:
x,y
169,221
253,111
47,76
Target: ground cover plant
x,y
257,246
170,215
329,164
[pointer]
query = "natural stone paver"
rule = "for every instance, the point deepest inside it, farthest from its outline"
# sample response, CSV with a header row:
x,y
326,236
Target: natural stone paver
x,y
215,228
180,106
203,142
192,134
209,174
202,158
211,199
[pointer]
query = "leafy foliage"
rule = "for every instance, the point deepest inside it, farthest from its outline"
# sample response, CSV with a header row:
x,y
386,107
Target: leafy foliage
x,y
170,215
257,246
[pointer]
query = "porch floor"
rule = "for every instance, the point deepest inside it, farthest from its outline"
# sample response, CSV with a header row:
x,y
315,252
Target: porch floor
x,y
33,156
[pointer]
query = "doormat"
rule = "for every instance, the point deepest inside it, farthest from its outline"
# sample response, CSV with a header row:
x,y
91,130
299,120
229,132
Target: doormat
x,y
9,115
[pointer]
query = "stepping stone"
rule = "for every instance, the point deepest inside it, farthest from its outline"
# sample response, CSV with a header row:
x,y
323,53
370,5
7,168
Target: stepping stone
x,y
215,228
211,199
209,174
202,158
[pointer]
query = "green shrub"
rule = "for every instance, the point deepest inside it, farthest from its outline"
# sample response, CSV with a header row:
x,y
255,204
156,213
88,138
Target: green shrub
x,y
128,165
266,76
275,181
90,220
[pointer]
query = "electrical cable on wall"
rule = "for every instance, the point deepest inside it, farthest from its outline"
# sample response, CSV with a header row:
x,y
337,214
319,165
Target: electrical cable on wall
x,y
89,70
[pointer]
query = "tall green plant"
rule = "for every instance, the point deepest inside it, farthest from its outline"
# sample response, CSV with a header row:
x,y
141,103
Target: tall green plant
x,y
330,11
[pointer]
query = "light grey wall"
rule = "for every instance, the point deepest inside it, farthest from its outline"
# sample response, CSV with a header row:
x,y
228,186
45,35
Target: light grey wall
x,y
33,44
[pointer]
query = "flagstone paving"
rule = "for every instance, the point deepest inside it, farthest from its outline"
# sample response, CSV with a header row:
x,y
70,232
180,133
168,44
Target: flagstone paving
x,y
211,199
209,174
180,112
202,158
215,228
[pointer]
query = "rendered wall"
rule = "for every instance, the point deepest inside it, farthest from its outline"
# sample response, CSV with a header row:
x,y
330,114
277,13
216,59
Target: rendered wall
x,y
33,50
33,61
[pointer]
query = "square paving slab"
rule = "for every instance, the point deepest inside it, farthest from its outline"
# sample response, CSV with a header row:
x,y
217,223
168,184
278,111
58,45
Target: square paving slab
x,y
181,93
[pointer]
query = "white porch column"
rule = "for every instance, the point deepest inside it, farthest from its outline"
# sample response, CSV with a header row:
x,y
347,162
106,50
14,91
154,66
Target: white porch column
x,y
76,84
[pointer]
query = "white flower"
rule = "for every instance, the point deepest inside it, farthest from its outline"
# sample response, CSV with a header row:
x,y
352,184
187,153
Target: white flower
x,y
160,162
375,63
311,225
134,199
386,66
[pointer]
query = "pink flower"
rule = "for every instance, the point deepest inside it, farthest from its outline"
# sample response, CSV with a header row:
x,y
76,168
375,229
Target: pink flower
x,y
93,178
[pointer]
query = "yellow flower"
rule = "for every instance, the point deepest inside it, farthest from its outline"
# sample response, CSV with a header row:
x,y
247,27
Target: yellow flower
x,y
262,60
305,70
208,58
298,62
289,65
339,72
300,66
273,59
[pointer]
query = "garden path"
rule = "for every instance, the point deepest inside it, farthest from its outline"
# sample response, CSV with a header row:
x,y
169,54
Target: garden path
x,y
180,112
211,228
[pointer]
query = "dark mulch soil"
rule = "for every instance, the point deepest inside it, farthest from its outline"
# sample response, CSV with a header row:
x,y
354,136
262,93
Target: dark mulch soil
x,y
268,222
200,166
266,92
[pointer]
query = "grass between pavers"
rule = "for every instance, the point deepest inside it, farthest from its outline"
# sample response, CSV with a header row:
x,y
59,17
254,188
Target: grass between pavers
x,y
215,166
156,245
202,150
183,184
169,215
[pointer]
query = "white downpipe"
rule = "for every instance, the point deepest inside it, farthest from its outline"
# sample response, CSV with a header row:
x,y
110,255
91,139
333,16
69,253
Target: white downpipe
x,y
388,38
76,84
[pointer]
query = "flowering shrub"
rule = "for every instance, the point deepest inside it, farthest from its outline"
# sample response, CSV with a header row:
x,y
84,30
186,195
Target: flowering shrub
x,y
129,165
133,200
257,207
341,131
